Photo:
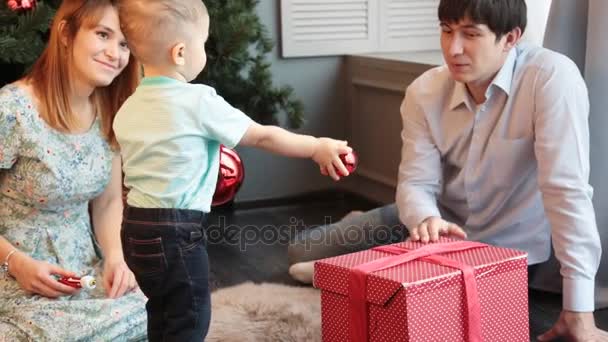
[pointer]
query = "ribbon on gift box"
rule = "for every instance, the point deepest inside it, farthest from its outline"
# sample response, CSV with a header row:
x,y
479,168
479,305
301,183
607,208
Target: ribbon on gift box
x,y
358,319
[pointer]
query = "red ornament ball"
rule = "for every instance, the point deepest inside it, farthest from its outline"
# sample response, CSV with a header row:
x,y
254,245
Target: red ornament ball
x,y
350,160
230,177
13,5
17,5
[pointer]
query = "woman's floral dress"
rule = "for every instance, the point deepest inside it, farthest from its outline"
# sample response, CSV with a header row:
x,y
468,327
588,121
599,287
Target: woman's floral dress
x,y
46,181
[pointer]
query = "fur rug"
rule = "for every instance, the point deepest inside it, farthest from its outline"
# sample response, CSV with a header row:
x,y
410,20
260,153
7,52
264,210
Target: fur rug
x,y
265,312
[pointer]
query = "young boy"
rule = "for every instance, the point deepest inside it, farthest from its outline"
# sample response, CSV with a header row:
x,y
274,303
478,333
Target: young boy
x,y
169,133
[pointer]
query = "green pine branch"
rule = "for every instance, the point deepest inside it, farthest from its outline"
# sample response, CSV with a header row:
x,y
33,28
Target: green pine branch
x,y
21,36
20,51
37,20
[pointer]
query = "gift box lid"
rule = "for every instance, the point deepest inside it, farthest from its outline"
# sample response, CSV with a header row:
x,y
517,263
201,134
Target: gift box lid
x,y
332,274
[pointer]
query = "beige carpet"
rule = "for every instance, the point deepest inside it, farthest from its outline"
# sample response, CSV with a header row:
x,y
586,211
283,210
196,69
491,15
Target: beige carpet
x,y
265,312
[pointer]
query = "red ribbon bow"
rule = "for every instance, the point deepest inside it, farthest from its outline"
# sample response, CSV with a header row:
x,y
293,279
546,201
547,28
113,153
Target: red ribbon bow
x,y
358,324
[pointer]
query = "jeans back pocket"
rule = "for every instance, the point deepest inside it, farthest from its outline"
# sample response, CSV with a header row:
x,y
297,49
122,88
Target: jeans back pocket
x,y
146,256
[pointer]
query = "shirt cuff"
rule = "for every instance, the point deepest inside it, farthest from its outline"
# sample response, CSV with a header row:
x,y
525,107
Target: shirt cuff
x,y
579,295
417,216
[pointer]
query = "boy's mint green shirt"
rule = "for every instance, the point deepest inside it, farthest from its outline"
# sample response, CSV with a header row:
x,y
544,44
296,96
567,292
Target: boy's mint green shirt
x,y
169,134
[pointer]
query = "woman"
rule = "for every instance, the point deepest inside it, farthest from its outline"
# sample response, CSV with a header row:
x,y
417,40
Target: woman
x,y
57,156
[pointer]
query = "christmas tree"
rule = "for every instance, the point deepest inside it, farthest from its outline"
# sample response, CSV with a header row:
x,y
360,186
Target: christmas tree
x,y
23,25
237,49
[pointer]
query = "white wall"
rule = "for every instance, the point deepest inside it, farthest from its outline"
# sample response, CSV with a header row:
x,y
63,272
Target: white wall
x,y
538,12
567,29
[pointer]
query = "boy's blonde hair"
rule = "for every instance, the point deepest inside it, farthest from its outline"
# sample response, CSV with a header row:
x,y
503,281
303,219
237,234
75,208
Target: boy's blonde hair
x,y
152,26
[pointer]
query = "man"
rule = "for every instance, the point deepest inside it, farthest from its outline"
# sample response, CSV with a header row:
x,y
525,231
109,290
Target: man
x,y
496,141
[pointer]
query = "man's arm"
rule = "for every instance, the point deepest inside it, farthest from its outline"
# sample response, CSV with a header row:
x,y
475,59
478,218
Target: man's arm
x,y
420,168
562,152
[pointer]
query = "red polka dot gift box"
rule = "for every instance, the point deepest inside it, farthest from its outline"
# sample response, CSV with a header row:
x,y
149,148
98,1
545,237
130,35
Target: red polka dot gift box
x,y
450,290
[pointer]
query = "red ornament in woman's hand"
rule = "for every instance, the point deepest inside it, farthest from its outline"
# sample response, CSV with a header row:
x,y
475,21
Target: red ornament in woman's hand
x,y
230,177
86,282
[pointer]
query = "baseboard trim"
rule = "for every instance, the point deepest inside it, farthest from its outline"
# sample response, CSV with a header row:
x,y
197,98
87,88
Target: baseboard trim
x,y
323,196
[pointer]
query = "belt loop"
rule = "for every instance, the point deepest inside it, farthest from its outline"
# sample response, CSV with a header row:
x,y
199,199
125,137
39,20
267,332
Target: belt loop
x,y
203,220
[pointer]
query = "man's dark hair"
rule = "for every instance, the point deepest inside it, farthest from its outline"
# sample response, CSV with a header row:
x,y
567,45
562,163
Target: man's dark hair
x,y
501,16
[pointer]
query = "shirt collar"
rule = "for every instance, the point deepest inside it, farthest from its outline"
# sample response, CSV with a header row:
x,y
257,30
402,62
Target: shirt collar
x,y
502,80
158,80
459,95
505,75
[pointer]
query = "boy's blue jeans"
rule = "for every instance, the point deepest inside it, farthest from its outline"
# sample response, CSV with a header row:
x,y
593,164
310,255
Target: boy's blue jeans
x,y
165,249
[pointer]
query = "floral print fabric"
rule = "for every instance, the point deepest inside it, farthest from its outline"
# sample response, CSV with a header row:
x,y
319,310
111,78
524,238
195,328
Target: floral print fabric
x,y
46,180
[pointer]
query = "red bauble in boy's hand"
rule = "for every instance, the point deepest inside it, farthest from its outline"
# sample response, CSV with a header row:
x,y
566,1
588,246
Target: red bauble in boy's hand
x,y
230,177
350,160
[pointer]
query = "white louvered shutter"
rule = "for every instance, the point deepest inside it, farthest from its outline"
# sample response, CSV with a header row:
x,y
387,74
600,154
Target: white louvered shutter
x,y
338,27
408,25
328,27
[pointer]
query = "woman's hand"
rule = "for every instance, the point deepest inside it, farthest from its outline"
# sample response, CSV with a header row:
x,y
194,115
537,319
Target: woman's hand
x,y
38,277
117,277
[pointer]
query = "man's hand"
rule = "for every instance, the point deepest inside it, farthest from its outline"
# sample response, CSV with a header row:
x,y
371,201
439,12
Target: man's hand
x,y
432,227
575,327
117,277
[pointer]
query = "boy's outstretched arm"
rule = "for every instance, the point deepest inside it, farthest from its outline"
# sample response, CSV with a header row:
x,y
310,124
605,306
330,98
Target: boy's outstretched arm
x,y
324,151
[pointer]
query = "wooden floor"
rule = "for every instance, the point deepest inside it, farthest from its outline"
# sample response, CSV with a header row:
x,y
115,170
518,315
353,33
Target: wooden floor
x,y
240,251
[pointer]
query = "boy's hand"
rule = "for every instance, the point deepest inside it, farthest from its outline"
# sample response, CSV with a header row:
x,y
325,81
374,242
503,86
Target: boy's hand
x,y
327,155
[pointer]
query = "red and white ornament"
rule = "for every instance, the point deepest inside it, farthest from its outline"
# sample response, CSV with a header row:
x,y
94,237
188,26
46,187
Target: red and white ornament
x,y
16,5
86,282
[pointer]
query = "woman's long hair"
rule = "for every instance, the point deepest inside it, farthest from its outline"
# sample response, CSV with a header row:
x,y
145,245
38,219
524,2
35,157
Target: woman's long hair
x,y
49,75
